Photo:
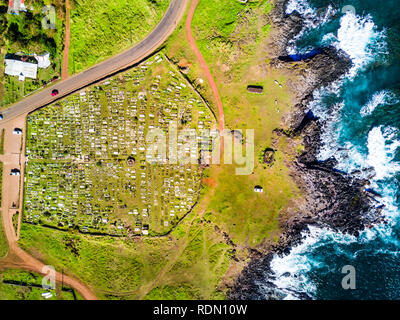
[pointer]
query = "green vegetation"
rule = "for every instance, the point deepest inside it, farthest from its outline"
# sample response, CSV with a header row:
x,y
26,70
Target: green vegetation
x,y
187,264
24,33
3,240
230,36
102,28
22,285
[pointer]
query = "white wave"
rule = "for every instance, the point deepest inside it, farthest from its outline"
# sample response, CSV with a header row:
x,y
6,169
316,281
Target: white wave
x,y
364,43
380,98
358,36
360,39
312,19
290,271
301,7
382,145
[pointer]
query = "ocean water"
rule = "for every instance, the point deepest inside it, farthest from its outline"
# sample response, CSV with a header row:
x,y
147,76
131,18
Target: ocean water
x,y
361,113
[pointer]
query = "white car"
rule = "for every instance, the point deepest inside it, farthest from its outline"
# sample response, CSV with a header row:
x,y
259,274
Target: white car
x,y
15,172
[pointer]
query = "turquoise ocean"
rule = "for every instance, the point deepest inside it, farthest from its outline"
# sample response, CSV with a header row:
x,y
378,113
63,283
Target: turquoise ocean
x,y
361,116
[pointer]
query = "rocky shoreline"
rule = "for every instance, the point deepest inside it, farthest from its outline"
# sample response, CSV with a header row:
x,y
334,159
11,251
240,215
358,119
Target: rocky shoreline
x,y
332,199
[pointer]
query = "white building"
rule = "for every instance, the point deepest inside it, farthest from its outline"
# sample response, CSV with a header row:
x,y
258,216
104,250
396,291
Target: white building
x,y
15,6
43,60
21,69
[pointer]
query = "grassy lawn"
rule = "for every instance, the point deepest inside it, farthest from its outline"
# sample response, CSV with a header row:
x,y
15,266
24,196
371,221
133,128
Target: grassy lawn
x,y
3,242
231,37
187,264
2,141
102,28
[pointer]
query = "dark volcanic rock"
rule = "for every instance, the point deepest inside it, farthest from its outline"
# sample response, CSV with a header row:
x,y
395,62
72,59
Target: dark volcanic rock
x,y
333,199
269,156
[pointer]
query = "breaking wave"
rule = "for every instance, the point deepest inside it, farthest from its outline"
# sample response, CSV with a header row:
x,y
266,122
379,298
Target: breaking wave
x,y
373,156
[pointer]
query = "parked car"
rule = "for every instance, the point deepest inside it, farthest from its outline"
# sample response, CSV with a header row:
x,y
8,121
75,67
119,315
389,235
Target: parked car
x,y
1,117
54,92
15,172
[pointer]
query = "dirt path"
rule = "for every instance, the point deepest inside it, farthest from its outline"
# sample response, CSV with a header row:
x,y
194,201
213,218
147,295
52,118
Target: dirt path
x,y
142,291
12,190
64,73
203,64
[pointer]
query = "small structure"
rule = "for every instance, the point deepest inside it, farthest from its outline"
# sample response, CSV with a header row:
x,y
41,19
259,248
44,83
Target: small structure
x,y
47,295
237,135
255,89
21,66
258,189
15,6
17,131
269,156
15,172
131,161
43,60
1,117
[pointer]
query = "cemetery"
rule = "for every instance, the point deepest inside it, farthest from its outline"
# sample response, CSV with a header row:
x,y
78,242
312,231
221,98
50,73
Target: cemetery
x,y
87,167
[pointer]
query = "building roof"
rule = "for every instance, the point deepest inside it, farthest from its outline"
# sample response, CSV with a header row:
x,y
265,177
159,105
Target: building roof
x,y
15,6
255,89
20,68
43,60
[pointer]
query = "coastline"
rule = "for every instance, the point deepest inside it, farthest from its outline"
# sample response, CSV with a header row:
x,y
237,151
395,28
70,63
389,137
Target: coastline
x,y
332,198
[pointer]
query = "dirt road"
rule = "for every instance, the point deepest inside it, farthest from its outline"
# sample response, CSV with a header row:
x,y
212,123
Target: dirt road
x,y
64,72
12,202
203,64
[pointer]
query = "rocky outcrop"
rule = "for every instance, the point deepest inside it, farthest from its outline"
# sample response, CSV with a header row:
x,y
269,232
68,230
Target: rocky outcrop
x,y
332,198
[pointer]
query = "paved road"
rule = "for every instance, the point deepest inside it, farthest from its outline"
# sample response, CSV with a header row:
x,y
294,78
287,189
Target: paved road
x,y
99,71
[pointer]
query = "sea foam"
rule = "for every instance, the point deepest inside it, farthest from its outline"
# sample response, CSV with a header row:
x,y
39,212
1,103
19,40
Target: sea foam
x,y
363,42
380,98
360,39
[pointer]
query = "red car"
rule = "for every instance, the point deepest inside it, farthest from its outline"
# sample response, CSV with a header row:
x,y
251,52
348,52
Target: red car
x,y
54,92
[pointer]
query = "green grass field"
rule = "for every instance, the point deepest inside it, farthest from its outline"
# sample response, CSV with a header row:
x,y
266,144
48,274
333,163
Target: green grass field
x,y
187,264
102,28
